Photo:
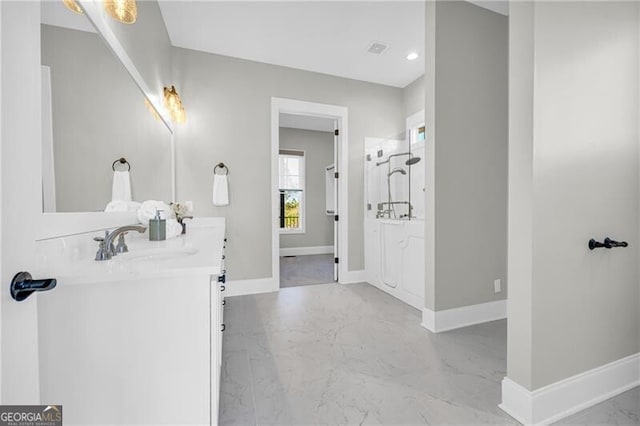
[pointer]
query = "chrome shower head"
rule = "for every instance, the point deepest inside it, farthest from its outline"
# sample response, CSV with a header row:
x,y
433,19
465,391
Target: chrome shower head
x,y
413,160
397,170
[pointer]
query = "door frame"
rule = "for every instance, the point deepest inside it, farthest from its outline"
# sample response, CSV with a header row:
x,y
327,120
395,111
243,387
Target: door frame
x,y
341,115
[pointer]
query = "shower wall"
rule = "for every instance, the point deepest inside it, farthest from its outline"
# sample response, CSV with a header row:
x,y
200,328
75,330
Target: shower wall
x,y
389,180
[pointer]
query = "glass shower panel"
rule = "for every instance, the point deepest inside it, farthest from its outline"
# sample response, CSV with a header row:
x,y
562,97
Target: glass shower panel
x,y
387,177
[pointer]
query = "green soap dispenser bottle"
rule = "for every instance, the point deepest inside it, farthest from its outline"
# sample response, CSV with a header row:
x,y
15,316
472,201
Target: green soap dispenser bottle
x,y
157,228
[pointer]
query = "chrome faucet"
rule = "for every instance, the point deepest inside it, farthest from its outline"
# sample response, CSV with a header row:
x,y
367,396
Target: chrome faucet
x,y
106,249
183,223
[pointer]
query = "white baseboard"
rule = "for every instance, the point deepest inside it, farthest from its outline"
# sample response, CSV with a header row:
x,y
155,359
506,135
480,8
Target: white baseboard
x,y
255,286
561,399
353,277
450,319
301,251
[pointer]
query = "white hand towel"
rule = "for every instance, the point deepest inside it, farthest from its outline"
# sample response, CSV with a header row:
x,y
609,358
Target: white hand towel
x,y
148,211
174,229
220,190
121,189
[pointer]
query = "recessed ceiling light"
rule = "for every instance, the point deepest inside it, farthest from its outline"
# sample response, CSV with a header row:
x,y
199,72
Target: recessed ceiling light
x,y
412,56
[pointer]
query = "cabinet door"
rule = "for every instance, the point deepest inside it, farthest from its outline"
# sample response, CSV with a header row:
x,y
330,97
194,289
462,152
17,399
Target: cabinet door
x,y
134,352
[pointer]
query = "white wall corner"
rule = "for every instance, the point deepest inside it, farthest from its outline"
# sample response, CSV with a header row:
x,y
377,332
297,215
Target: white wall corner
x,y
450,319
302,251
353,277
255,286
561,399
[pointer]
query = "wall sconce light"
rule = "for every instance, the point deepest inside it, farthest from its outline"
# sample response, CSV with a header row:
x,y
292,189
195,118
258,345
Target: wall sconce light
x,y
125,11
174,105
73,6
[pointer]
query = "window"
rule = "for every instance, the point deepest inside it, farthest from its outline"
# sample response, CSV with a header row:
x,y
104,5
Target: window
x,y
291,174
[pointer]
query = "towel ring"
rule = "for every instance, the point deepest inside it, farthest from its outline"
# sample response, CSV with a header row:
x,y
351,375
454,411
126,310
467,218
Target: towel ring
x,y
221,166
121,161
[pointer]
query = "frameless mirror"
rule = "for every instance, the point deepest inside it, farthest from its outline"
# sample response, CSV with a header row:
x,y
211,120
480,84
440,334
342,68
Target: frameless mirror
x,y
94,114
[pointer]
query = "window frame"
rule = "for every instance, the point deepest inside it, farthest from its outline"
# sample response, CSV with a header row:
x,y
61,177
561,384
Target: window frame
x,y
303,189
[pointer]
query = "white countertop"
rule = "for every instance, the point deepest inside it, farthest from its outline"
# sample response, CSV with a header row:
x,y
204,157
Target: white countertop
x,y
199,252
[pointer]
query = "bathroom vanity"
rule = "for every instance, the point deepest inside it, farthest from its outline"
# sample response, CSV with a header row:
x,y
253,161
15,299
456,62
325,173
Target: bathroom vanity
x,y
135,339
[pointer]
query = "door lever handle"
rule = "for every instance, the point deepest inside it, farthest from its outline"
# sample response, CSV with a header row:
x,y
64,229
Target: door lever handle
x,y
22,285
609,243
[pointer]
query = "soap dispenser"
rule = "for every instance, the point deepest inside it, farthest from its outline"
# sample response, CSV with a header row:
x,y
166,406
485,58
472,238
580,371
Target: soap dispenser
x,y
157,228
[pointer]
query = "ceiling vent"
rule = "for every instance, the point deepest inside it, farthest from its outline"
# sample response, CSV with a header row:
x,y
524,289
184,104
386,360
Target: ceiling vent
x,y
377,48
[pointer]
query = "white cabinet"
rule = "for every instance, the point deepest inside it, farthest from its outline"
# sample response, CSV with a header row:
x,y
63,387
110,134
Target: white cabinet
x,y
218,287
129,352
134,340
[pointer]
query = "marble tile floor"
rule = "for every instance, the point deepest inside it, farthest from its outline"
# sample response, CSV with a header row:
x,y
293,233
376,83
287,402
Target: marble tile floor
x,y
333,354
623,409
306,270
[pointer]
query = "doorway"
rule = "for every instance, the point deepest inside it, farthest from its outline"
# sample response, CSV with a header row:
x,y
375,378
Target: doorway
x,y
309,188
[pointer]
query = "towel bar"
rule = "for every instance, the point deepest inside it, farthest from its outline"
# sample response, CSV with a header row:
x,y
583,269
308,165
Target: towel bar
x,y
221,166
121,161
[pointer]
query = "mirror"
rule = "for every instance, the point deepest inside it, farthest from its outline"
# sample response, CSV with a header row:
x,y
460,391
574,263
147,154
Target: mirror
x,y
93,115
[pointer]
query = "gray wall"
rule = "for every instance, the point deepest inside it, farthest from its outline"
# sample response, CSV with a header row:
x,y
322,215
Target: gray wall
x,y
318,148
228,104
99,115
470,148
520,211
577,115
413,96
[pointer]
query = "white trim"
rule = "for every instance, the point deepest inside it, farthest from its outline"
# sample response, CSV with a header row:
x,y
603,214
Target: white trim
x,y
352,277
302,251
48,164
255,286
561,399
450,319
415,120
341,115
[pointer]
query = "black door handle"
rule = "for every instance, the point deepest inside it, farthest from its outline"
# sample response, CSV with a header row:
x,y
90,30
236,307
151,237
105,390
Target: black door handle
x,y
608,243
22,285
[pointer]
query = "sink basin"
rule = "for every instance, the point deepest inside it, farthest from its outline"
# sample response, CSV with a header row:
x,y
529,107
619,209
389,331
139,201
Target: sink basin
x,y
157,255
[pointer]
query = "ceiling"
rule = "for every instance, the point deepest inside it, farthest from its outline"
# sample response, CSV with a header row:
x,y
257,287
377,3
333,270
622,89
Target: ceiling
x,y
330,37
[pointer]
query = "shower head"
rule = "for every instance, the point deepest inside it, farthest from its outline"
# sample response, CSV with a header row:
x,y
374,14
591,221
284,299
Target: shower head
x,y
397,170
413,160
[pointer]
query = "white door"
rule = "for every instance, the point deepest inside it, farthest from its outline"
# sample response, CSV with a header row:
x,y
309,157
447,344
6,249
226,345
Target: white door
x,y
20,199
